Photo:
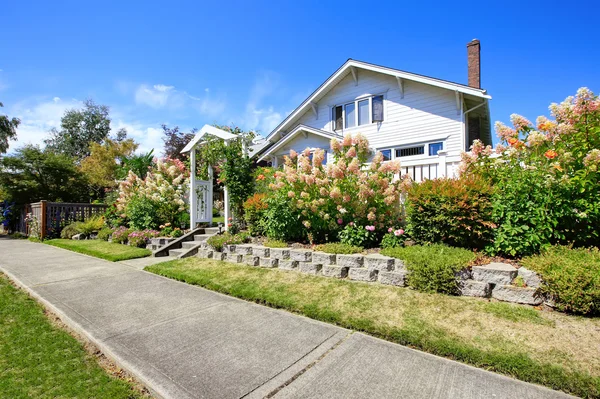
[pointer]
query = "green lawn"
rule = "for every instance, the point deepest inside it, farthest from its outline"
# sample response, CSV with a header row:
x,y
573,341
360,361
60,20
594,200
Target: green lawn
x,y
547,348
39,360
101,249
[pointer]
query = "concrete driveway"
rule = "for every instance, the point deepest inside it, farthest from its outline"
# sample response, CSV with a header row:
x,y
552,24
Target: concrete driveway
x,y
187,342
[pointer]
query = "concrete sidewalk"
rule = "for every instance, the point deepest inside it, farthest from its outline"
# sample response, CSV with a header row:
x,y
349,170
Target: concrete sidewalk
x,y
186,342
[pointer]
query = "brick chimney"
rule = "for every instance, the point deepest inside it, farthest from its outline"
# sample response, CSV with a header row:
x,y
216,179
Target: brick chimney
x,y
473,65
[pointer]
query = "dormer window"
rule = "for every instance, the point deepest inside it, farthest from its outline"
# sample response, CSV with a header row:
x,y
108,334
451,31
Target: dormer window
x,y
360,112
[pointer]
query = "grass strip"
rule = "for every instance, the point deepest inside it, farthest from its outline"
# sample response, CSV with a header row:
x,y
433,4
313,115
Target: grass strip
x,y
101,249
429,322
39,360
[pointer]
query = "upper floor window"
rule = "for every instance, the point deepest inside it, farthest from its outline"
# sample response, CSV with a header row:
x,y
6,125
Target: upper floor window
x,y
358,113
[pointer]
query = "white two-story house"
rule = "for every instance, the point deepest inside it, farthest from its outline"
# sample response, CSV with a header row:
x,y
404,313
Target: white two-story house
x,y
422,121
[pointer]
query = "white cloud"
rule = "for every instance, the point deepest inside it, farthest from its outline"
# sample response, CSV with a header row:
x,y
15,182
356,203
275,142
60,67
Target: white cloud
x,y
258,116
38,117
148,137
158,96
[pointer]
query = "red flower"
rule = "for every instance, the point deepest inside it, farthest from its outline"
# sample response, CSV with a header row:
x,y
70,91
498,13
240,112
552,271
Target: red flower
x,y
513,141
550,154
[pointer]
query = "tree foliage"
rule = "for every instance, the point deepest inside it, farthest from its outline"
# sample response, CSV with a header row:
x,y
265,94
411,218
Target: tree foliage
x,y
79,128
175,140
33,174
102,166
8,130
139,164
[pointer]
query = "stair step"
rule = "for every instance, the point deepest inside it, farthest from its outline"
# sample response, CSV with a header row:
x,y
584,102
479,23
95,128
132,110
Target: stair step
x,y
211,230
189,244
176,252
202,237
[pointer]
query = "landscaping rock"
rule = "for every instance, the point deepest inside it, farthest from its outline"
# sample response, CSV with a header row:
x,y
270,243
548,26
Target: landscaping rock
x,y
379,262
323,257
531,278
251,260
464,274
362,274
510,293
280,253
475,288
263,252
288,264
495,273
244,249
301,255
334,271
399,264
205,253
230,249
310,267
350,260
235,258
268,262
219,255
78,237
397,278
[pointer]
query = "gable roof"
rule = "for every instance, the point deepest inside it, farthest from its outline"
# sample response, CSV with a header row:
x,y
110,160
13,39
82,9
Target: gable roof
x,y
350,64
207,129
293,133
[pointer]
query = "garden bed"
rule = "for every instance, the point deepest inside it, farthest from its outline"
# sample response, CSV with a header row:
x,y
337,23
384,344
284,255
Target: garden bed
x,y
547,348
101,249
40,360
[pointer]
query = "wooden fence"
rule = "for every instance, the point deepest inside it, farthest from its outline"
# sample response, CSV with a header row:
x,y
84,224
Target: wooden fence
x,y
53,216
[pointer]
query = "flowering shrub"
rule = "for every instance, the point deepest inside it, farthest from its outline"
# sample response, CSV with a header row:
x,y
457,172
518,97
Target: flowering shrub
x,y
457,212
393,239
323,199
546,177
358,236
157,199
254,212
141,238
120,235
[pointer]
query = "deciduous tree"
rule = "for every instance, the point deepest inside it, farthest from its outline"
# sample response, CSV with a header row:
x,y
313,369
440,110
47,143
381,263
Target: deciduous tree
x,y
8,131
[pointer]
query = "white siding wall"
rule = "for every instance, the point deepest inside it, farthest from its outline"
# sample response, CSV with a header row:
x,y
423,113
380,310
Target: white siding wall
x,y
300,143
426,113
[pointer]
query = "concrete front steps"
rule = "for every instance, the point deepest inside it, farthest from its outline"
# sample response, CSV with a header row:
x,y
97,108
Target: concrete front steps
x,y
187,245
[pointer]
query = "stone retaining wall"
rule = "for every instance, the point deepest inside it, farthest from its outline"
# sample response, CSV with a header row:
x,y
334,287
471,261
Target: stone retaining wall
x,y
493,280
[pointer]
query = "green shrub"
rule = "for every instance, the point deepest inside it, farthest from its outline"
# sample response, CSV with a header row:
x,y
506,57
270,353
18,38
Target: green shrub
x,y
70,230
456,212
275,243
433,268
571,277
92,225
281,222
120,235
176,233
339,248
254,213
358,236
220,240
393,239
104,233
18,235
143,213
141,238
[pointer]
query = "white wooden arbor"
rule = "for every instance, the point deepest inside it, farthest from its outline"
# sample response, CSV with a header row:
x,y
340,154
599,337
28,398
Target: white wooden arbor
x,y
201,198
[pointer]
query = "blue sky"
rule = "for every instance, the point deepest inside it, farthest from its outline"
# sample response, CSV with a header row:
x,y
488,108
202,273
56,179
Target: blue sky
x,y
251,63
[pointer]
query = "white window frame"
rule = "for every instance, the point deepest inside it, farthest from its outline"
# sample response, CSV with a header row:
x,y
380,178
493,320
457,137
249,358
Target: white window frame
x,y
356,101
425,154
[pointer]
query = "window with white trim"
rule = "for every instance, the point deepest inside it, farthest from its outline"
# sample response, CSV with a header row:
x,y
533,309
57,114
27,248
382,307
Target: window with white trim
x,y
360,112
435,147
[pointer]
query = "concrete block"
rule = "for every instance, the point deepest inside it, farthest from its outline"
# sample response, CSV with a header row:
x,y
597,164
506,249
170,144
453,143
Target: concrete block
x,y
350,260
397,278
263,252
230,249
362,274
399,264
219,255
268,262
495,273
235,258
288,264
280,253
243,249
464,274
379,262
475,288
251,260
301,255
531,278
323,258
510,293
310,267
334,271
205,253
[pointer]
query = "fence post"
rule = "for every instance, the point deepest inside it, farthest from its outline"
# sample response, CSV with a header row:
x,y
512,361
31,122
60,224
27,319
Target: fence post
x,y
43,224
442,163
